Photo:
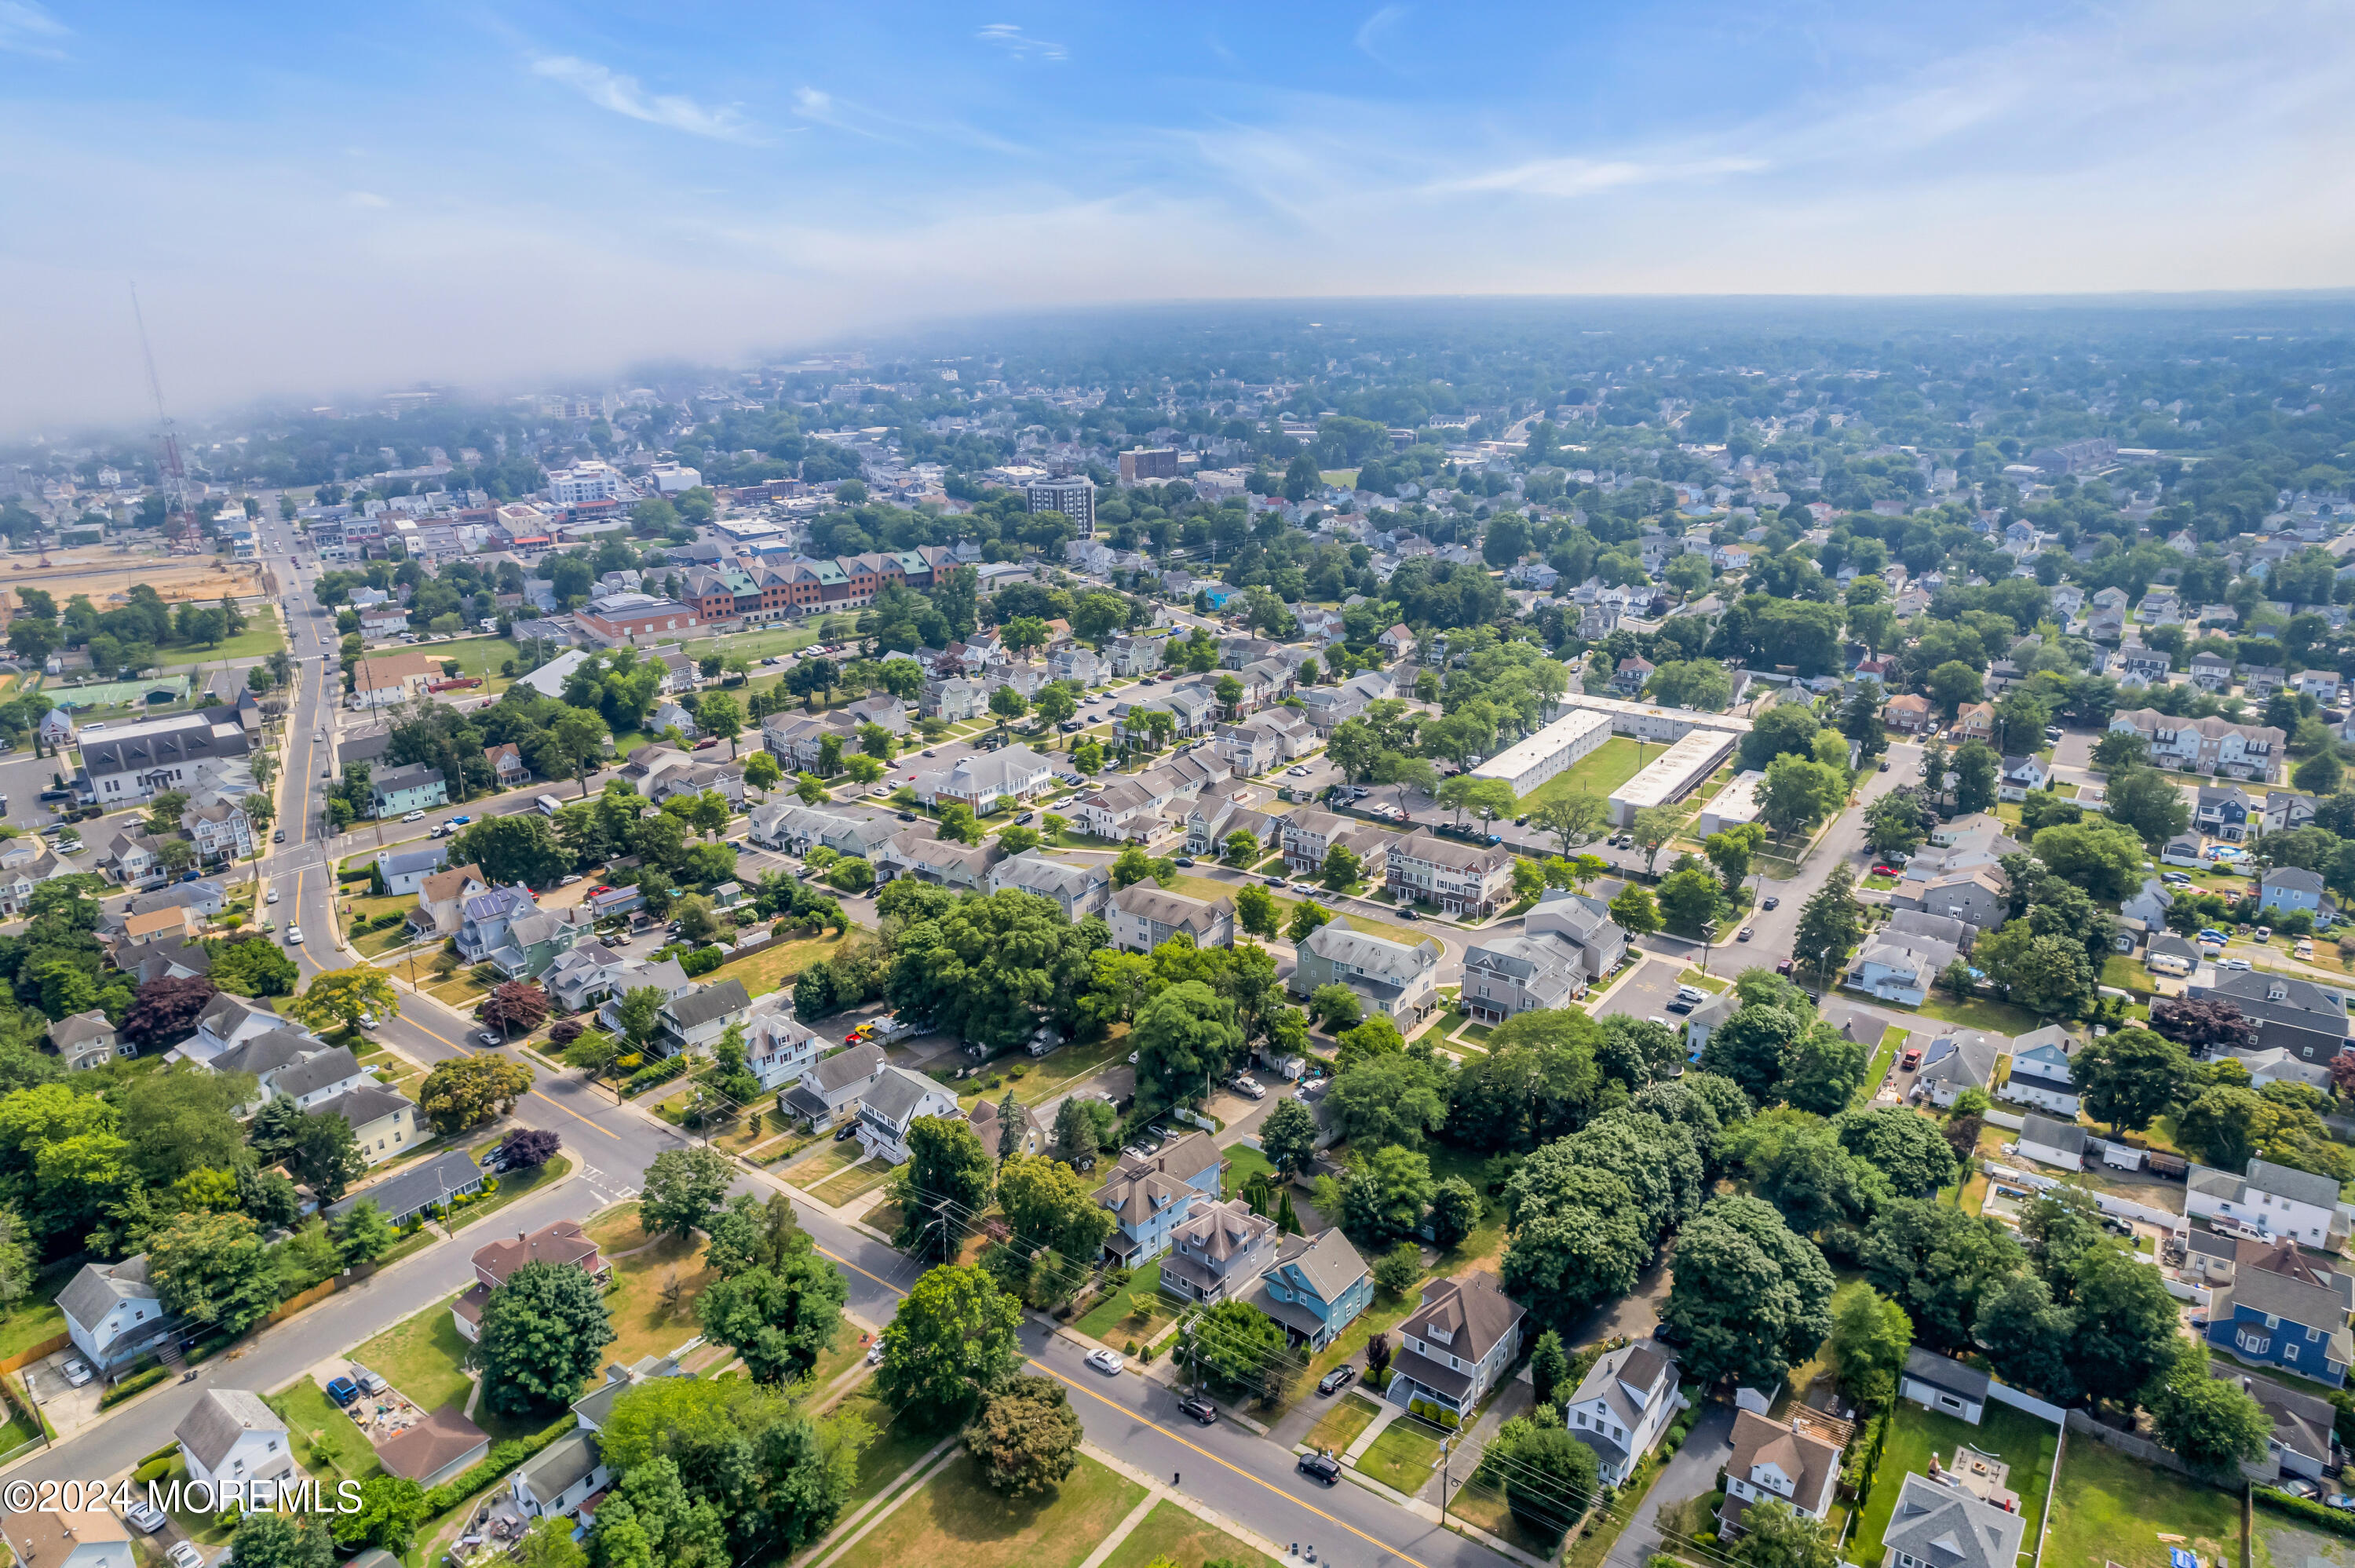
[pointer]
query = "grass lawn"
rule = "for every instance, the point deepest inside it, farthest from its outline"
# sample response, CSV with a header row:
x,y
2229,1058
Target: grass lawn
x,y
643,1324
1050,1075
1133,1314
1242,1161
1349,1416
2012,1436
263,636
2111,1509
307,1411
771,968
1978,1012
1487,1240
1170,1531
1599,772
1602,1532
461,991
756,644
898,1443
834,1157
851,1181
1402,1457
511,1187
37,1319
424,1357
618,1230
957,1518
479,657
1892,1037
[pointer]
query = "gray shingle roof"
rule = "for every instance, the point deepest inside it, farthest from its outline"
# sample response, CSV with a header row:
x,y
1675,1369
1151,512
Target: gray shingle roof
x,y
708,1003
221,1416
1941,1372
94,1291
452,1170
317,1071
1327,1258
1950,1528
2045,1132
845,1067
364,1104
561,1464
897,1094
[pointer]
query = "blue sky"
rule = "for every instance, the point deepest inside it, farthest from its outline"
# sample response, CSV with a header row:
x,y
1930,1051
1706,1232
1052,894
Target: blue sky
x,y
328,199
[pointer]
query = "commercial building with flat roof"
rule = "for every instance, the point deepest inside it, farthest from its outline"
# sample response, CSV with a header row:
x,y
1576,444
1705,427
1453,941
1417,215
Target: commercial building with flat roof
x,y
1732,806
1552,751
1649,721
1673,774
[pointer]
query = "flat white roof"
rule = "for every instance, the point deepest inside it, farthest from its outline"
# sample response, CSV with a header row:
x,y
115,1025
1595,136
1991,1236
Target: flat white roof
x,y
1738,801
1523,755
1675,771
1726,722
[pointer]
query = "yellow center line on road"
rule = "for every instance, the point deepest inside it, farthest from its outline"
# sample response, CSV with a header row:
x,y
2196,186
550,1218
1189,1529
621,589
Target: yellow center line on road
x,y
1175,1437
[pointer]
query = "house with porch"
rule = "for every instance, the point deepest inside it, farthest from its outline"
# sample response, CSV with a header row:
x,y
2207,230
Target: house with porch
x,y
1456,1347
1623,1405
892,1104
1218,1253
1150,1195
1315,1288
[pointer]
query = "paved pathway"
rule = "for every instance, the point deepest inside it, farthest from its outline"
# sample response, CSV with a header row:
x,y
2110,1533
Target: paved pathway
x,y
1691,1473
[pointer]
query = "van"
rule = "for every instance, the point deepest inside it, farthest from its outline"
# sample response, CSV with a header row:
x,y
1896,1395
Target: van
x,y
547,805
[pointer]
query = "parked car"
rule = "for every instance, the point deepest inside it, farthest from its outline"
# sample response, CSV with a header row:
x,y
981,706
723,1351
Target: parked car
x,y
2299,1486
1745,933
343,1390
569,878
1336,1379
1251,1088
144,1516
414,817
1109,1362
1320,1467
1200,1409
77,1371
490,1037
271,898
1912,1059
294,937
183,1554
1770,902
1183,860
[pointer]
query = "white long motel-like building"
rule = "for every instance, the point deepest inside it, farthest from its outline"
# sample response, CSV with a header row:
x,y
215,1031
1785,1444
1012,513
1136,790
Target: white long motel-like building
x,y
1696,743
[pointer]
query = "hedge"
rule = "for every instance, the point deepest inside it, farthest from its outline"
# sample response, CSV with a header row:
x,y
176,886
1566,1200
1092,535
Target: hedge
x,y
152,1470
504,1456
136,1383
2337,1521
661,1071
702,962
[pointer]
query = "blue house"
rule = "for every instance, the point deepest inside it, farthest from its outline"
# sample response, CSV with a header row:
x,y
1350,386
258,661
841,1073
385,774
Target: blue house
x,y
2290,887
1317,1289
411,789
2284,1309
1149,1198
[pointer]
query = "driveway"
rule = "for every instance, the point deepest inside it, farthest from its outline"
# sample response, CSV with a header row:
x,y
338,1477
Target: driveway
x,y
1648,992
1692,1473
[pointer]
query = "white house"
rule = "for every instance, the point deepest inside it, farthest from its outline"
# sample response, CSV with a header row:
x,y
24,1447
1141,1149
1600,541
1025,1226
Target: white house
x,y
232,1435
2051,1142
561,1476
1901,967
1954,1062
2297,1205
892,1104
1622,1406
2040,1072
1794,1463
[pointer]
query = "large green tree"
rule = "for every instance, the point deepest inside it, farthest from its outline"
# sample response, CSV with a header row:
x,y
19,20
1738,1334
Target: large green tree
x,y
1026,1436
682,1189
990,967
952,1340
1751,1298
544,1333
779,1317
213,1269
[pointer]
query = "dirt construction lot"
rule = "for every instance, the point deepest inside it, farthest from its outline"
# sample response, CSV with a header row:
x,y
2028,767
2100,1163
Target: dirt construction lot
x,y
107,577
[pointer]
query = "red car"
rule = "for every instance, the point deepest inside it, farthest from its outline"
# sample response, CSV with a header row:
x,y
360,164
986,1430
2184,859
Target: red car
x,y
1884,871
1912,1059
708,742
594,891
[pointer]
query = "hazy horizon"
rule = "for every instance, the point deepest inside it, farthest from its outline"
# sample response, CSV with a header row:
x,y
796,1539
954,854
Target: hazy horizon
x,y
316,205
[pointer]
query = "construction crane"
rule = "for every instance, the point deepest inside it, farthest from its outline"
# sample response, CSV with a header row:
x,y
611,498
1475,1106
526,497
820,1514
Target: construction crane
x,y
176,474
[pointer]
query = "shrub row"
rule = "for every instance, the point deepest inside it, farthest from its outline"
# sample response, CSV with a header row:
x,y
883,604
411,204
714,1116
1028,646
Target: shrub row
x,y
655,1073
2337,1521
702,962
136,1383
504,1456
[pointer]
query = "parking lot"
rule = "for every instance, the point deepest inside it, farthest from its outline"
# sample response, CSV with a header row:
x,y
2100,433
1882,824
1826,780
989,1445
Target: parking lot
x,y
1648,992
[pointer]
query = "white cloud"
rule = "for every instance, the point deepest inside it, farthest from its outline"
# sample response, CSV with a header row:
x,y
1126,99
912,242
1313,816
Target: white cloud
x,y
1372,32
26,30
1011,37
1590,176
610,89
365,199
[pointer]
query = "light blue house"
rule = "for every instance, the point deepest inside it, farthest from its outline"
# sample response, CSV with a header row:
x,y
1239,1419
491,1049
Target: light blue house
x,y
2288,887
2284,1309
1150,1198
1317,1289
414,788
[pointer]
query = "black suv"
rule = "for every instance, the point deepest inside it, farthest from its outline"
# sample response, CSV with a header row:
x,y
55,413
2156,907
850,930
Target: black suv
x,y
1201,1410
1320,1467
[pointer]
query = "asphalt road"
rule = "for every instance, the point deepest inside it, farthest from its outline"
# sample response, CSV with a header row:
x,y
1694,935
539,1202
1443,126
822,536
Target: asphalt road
x,y
1225,1467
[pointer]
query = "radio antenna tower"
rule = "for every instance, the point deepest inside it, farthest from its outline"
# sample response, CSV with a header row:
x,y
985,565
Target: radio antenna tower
x,y
175,474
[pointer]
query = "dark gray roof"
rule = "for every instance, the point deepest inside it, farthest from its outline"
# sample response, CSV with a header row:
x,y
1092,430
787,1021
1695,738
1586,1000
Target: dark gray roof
x,y
707,1003
2067,1137
407,776
269,1051
168,743
316,1071
897,1094
94,1292
401,862
561,1464
1473,1311
432,1446
845,1067
221,1416
364,1104
1940,1371
75,1028
2287,1182
1327,1258
450,1171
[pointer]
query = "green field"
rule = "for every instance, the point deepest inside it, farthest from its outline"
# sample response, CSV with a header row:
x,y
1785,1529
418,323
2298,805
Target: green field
x,y
2114,1508
478,656
2016,1437
1599,772
957,1518
1172,1532
1402,1457
263,636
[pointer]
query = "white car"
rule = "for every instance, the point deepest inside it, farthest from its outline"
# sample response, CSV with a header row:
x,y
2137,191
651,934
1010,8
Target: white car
x,y
271,898
293,936
2231,963
1249,1089
144,1516
77,1371
414,817
1109,1362
569,880
183,1554
1298,772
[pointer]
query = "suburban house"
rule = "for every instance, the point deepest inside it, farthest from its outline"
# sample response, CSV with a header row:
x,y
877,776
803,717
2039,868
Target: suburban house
x,y
2284,1309
96,1537
988,781
2291,1014
441,1446
1567,943
1977,895
1149,1196
383,1121
2223,812
405,871
1031,1134
1796,1463
1465,879
561,1476
87,1040
485,918
1938,1382
778,1047
1308,835
507,764
412,788
1954,1062
1458,1346
1938,1524
2021,776
695,1021
1623,1404
1899,968
1399,981
1078,890
1706,1019
1907,715
2040,1071
2205,745
2298,1205
562,1243
111,1313
828,1095
2051,1142
2301,1441
796,829
892,1104
1217,1252
429,1184
441,899
233,1437
1143,916
2288,887
917,852
1315,1288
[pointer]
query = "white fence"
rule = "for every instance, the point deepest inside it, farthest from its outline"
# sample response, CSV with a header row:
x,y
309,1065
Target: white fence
x,y
2004,1393
2123,1208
